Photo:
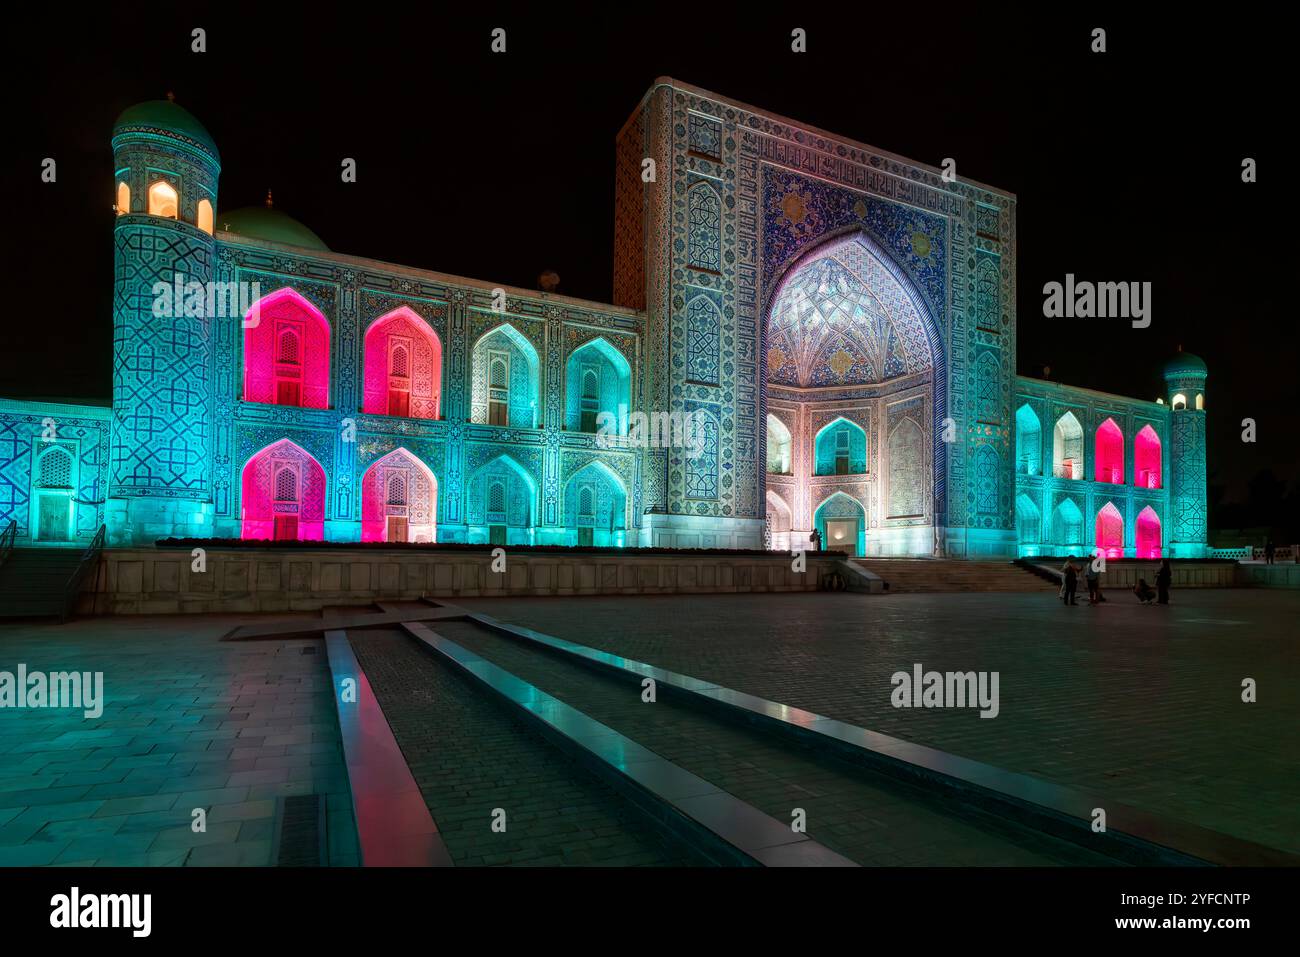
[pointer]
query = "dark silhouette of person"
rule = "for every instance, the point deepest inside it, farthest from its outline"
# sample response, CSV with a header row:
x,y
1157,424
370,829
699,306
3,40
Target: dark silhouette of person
x,y
1144,592
1070,572
816,539
1269,550
1163,578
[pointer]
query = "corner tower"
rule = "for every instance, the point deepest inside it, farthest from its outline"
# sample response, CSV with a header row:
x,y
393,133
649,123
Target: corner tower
x,y
1185,376
165,184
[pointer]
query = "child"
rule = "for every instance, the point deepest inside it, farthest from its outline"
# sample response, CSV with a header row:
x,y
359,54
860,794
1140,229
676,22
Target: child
x,y
1144,592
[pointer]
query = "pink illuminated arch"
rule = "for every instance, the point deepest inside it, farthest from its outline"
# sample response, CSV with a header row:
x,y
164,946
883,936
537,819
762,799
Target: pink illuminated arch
x,y
1109,458
1146,459
286,352
283,495
403,373
399,500
1148,534
1110,531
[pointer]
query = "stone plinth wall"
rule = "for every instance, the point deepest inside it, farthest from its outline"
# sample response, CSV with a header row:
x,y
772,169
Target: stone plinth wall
x,y
1269,576
161,581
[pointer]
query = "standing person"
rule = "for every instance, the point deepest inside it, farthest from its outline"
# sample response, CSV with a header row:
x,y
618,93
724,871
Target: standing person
x,y
1269,550
1163,578
1093,578
816,539
1070,572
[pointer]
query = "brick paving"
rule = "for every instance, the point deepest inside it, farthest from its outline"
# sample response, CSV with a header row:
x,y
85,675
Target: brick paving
x,y
188,722
1136,704
470,757
869,819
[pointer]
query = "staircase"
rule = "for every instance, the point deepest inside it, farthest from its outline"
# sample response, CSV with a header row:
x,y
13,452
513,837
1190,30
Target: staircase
x,y
938,575
34,581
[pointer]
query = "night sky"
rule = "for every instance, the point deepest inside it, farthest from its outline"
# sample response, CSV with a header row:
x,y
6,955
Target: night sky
x,y
1126,165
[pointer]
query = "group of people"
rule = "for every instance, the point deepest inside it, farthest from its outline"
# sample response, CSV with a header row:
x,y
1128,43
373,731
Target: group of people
x,y
1092,576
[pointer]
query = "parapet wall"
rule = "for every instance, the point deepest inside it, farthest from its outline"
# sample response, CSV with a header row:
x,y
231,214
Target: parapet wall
x,y
162,580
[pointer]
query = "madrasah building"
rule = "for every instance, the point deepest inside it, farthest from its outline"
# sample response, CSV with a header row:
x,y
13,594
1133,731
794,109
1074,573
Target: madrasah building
x,y
838,323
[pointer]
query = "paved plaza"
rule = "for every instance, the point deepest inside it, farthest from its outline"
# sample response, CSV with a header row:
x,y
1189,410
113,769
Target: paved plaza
x,y
1139,705
188,722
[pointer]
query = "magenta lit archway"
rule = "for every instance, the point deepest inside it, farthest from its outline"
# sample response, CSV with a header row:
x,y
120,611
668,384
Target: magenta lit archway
x,y
1109,458
1110,531
286,352
283,495
399,500
1146,459
1148,534
403,366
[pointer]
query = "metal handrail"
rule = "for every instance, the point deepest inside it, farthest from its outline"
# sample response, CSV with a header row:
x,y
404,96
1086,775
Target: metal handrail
x,y
89,559
7,539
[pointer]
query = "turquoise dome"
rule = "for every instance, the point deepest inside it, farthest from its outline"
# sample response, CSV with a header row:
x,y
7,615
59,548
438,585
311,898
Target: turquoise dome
x,y
167,116
1185,364
267,222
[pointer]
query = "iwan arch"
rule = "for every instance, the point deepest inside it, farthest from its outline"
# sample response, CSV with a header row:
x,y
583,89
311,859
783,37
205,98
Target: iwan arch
x,y
838,322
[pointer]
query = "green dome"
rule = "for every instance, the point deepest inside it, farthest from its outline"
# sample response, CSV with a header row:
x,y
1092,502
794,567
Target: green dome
x,y
167,116
267,222
1185,364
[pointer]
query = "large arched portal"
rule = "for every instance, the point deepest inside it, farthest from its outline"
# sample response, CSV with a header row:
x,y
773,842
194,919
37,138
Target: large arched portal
x,y
850,341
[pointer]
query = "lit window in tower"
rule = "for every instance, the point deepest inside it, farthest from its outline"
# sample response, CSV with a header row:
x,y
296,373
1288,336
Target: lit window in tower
x,y
205,216
163,200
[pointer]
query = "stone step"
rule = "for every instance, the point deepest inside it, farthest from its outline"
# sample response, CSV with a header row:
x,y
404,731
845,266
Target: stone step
x,y
906,575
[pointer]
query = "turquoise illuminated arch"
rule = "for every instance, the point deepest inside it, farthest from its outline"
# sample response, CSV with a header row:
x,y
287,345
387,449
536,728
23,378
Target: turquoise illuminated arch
x,y
1029,442
608,517
1029,525
519,515
844,506
523,377
840,448
1067,527
596,363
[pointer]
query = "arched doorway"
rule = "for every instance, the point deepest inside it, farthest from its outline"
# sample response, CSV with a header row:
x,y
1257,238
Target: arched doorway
x,y
843,523
399,500
779,523
54,490
1110,531
502,503
1148,534
283,495
851,350
286,352
595,507
403,367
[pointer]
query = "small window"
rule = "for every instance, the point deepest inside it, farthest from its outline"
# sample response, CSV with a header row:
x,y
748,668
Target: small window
x,y
496,497
205,216
1200,401
288,348
1179,401
400,363
123,199
163,200
397,489
286,486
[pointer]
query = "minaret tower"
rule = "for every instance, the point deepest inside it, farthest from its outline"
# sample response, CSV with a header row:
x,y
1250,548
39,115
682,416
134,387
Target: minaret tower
x,y
1185,376
165,188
